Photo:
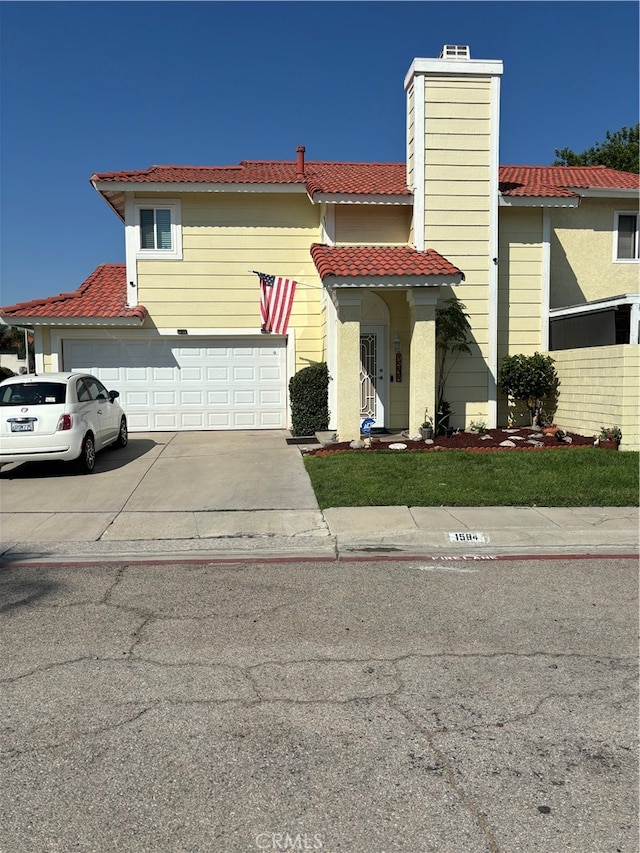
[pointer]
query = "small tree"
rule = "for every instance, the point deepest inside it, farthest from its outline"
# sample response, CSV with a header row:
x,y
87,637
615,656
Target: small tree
x,y
309,395
618,151
13,340
529,378
452,327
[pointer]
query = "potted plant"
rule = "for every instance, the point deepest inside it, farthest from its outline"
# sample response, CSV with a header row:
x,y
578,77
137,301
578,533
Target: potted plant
x,y
426,427
610,437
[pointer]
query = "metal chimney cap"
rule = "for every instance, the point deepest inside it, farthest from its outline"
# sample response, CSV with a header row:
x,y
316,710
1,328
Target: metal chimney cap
x,y
455,51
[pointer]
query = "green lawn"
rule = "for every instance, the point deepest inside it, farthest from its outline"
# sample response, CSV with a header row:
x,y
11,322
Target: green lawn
x,y
585,476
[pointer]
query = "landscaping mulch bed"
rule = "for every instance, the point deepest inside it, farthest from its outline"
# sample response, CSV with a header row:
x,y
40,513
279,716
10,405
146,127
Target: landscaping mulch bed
x,y
489,440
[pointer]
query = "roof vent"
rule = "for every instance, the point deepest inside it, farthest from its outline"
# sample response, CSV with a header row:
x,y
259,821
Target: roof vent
x,y
455,51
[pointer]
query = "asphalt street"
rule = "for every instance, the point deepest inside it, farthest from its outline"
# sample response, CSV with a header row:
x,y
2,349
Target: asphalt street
x,y
356,706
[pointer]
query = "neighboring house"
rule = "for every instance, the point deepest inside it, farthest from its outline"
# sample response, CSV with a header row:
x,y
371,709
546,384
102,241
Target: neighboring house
x,y
11,361
544,258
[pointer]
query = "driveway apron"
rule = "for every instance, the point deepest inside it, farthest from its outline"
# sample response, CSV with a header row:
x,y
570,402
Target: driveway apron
x,y
200,471
183,485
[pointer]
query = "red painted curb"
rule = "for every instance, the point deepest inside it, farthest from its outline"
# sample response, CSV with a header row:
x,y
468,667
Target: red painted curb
x,y
372,558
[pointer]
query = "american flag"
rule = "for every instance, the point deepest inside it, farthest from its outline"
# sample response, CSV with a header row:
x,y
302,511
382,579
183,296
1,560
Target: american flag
x,y
276,299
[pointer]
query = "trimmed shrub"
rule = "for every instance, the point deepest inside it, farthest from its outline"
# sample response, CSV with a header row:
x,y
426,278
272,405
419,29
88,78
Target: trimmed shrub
x,y
531,379
309,395
5,373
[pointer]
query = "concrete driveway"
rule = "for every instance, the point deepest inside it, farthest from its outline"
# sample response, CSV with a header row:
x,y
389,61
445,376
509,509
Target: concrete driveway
x,y
178,485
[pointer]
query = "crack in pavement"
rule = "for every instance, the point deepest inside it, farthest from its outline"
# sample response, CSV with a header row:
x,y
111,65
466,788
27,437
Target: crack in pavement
x,y
13,753
329,660
476,814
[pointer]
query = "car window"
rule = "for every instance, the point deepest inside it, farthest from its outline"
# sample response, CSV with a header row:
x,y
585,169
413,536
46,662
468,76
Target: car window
x,y
96,388
33,394
83,391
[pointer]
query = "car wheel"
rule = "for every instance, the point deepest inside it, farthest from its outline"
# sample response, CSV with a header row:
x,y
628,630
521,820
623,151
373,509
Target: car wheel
x,y
86,462
123,435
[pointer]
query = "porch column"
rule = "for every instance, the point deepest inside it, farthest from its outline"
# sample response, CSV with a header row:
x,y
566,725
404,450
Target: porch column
x,y
347,415
422,358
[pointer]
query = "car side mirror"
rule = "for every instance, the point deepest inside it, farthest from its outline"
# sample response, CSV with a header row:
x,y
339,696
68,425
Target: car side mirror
x,y
113,395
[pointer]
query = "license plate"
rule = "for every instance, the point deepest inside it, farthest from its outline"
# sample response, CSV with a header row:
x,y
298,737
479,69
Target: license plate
x,y
28,427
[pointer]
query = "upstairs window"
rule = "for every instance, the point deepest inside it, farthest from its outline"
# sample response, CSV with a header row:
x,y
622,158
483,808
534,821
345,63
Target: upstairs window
x,y
155,228
159,230
626,237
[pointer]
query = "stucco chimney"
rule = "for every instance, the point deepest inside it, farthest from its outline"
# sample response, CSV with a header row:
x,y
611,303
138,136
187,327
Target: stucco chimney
x,y
300,162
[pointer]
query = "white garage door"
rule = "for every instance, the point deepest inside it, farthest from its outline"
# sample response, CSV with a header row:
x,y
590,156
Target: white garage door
x,y
176,384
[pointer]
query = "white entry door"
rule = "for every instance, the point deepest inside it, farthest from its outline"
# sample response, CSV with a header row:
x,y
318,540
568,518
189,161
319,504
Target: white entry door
x,y
373,374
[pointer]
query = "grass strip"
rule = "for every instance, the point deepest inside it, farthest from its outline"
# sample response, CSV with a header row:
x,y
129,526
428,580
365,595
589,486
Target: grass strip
x,y
585,476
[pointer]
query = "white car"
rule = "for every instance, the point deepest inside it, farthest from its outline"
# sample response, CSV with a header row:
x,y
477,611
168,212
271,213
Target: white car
x,y
58,416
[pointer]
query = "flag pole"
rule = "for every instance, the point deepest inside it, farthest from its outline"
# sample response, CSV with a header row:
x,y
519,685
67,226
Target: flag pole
x,y
299,283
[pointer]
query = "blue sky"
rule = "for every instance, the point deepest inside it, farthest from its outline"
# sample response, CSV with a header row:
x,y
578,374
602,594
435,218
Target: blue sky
x,y
108,86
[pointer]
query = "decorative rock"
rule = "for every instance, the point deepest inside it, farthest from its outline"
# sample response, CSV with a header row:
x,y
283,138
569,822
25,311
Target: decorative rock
x,y
507,443
397,446
554,432
356,444
567,439
536,435
517,438
535,443
486,438
509,430
428,441
367,442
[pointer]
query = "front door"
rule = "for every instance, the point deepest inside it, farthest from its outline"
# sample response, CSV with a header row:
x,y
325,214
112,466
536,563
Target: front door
x,y
373,378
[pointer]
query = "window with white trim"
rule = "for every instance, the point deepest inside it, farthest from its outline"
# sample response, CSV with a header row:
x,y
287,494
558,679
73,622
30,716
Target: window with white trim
x,y
626,236
158,230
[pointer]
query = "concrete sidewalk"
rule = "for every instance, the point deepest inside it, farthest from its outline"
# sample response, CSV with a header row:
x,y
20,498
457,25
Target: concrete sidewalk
x,y
244,495
424,532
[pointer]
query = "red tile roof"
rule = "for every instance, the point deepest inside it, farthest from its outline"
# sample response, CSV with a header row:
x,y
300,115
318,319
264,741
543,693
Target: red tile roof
x,y
350,261
102,295
319,177
568,177
374,178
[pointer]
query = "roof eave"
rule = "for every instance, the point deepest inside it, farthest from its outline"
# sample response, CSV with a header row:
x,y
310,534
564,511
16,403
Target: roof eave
x,y
537,201
390,282
361,198
11,320
196,187
113,198
607,192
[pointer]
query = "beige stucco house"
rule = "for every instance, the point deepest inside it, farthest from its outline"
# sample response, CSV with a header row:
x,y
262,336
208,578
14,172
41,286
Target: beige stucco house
x,y
544,259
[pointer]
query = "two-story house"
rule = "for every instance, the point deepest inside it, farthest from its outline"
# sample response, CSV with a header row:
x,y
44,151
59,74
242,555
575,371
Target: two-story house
x,y
544,259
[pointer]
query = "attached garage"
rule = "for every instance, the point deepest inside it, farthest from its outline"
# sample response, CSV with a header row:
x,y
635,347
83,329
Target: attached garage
x,y
189,384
